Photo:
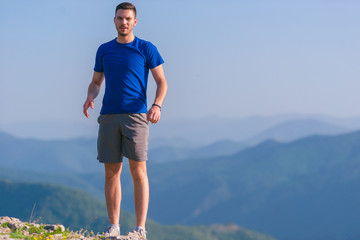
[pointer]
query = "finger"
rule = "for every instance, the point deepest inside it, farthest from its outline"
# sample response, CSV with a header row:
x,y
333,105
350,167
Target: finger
x,y
85,110
158,116
157,119
150,115
154,119
86,113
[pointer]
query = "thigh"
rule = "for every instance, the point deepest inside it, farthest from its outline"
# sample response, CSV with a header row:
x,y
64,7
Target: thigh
x,y
135,137
113,169
109,139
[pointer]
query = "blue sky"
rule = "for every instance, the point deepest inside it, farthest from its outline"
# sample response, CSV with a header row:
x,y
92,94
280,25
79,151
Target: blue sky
x,y
222,58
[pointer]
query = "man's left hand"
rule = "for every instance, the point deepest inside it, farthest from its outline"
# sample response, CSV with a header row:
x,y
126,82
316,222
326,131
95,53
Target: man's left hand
x,y
153,114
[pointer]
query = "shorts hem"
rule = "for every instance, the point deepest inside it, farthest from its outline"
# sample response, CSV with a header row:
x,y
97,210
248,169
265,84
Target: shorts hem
x,y
102,161
137,159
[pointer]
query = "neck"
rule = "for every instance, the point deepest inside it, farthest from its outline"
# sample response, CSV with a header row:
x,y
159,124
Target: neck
x,y
125,39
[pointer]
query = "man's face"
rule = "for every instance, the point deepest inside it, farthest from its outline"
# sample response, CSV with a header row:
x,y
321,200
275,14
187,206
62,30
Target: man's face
x,y
125,21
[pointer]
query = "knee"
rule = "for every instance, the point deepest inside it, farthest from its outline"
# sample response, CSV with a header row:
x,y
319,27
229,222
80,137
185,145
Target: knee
x,y
112,171
139,175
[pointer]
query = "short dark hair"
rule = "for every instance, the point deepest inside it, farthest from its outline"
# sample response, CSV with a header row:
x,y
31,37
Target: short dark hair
x,y
126,5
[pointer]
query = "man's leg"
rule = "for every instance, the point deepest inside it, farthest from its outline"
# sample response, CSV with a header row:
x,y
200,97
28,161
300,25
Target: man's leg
x,y
141,190
113,191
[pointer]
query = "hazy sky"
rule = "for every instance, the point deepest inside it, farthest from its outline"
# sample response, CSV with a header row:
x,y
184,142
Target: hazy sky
x,y
230,58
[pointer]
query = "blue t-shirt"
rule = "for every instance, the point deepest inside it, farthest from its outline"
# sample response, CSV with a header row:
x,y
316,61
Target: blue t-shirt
x,y
126,69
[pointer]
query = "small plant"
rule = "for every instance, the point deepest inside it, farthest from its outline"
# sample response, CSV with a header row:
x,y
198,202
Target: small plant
x,y
32,215
17,233
34,229
6,225
58,230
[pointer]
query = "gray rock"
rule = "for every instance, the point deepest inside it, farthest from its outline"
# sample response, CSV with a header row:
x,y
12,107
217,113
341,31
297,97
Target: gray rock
x,y
4,237
49,227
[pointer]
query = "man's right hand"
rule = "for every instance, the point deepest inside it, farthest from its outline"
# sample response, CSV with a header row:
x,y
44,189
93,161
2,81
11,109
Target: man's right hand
x,y
88,103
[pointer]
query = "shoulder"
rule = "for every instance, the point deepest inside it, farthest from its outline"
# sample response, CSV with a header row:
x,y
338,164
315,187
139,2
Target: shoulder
x,y
147,48
150,52
107,45
145,45
105,48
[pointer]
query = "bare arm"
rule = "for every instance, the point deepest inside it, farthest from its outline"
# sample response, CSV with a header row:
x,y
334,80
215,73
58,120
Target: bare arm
x,y
154,112
93,91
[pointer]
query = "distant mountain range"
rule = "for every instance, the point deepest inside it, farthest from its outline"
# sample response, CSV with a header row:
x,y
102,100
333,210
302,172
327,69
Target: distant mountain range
x,y
253,130
79,155
292,130
76,155
54,204
304,189
170,153
181,132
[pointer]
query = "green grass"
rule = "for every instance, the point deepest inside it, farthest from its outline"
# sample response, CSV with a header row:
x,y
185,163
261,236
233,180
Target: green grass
x,y
5,225
18,233
39,233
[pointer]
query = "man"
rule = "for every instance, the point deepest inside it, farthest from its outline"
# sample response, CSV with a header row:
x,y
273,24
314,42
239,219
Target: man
x,y
124,63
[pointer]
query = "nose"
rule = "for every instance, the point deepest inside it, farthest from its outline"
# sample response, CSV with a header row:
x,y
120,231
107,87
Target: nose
x,y
122,21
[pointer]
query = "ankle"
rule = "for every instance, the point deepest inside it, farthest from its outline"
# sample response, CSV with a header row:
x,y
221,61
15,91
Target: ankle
x,y
114,225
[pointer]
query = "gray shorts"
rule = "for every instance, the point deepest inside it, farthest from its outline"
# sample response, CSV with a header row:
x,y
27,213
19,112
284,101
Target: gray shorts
x,y
122,135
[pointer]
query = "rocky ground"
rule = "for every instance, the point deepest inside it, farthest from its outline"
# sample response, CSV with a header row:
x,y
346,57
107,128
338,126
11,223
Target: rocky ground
x,y
13,228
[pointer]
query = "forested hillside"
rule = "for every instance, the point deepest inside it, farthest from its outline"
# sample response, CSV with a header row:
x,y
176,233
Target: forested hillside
x,y
75,209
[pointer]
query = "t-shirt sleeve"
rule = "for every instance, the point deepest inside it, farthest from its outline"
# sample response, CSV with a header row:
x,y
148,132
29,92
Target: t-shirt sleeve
x,y
98,61
153,57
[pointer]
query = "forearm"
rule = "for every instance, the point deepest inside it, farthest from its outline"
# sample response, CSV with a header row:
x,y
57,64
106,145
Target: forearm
x,y
154,112
160,92
93,90
95,85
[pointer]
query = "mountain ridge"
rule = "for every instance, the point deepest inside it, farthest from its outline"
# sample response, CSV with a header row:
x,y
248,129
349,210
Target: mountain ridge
x,y
177,132
260,176
80,154
288,181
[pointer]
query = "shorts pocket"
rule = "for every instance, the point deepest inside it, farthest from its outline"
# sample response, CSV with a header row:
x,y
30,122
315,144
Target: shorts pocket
x,y
103,117
142,117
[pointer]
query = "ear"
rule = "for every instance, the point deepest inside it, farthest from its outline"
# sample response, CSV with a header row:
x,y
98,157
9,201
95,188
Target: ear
x,y
135,21
114,19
